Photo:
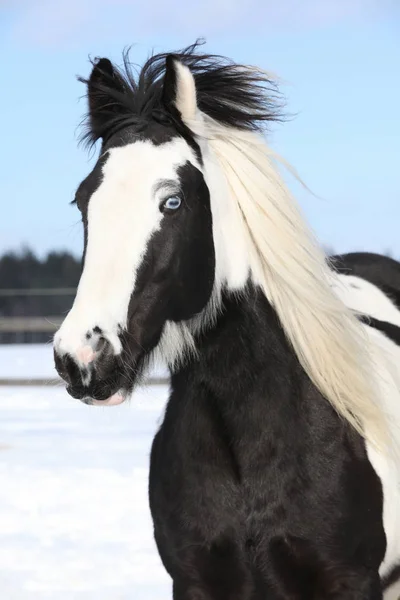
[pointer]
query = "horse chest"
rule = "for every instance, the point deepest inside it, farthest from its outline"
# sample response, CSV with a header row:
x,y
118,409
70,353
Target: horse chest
x,y
254,480
242,472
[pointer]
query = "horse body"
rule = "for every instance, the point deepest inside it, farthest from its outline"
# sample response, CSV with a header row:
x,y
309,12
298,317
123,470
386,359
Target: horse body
x,y
261,462
248,472
275,473
371,287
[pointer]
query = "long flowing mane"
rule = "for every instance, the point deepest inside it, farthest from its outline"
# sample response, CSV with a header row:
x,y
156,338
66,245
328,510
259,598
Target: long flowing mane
x,y
236,102
294,273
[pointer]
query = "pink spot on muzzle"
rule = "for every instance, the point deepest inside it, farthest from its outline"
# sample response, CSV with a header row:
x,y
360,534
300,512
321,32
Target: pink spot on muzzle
x,y
85,355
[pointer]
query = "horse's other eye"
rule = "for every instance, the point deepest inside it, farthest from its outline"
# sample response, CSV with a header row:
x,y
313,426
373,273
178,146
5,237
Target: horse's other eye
x,y
170,204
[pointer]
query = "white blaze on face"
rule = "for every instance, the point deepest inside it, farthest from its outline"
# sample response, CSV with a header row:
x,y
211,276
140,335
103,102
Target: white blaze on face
x,y
123,213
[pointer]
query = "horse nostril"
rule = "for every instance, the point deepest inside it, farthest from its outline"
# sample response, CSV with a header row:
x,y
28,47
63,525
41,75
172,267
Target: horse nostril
x,y
104,363
66,368
61,368
102,345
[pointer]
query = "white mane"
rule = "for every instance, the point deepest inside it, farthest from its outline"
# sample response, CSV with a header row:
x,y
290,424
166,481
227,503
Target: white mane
x,y
291,268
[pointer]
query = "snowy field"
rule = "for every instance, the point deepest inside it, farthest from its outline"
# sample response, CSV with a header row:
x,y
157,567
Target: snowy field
x,y
28,361
74,517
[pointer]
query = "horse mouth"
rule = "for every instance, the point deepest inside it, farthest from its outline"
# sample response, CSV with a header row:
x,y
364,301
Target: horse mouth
x,y
111,393
113,400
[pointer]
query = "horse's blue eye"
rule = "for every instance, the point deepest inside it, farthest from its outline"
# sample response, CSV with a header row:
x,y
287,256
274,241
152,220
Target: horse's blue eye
x,y
172,203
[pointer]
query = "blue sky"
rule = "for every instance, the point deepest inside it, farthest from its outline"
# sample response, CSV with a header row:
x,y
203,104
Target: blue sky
x,y
339,60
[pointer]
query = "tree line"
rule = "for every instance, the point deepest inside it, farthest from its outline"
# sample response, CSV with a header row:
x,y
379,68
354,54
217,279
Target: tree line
x,y
24,270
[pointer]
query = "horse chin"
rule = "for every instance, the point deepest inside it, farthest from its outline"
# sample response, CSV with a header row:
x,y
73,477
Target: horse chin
x,y
114,400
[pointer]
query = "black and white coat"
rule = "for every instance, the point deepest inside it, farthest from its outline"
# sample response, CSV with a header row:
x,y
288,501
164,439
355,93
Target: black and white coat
x,y
275,473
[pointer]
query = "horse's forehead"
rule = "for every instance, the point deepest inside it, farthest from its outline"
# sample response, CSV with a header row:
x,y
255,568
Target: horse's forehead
x,y
145,161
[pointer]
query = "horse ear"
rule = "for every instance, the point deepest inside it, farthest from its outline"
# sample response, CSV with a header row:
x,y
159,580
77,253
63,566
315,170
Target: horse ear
x,y
103,81
180,88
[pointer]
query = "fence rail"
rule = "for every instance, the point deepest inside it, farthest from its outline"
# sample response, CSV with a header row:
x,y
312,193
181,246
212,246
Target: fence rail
x,y
37,291
33,315
30,324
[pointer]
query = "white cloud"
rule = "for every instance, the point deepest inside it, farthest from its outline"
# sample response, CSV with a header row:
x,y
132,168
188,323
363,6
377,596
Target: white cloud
x,y
66,22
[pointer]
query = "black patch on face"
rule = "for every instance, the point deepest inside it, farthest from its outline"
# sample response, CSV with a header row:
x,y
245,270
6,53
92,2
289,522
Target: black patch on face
x,y
149,130
90,184
85,191
158,132
176,277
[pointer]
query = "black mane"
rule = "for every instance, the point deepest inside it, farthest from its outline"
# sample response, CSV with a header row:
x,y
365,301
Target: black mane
x,y
234,95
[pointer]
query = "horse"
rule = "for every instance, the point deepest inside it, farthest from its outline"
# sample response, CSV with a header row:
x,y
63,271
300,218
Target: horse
x,y
275,473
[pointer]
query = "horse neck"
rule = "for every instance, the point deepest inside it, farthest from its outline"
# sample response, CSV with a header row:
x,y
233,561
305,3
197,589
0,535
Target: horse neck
x,y
244,350
246,393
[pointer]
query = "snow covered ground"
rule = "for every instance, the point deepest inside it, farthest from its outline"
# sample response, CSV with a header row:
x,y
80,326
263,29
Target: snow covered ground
x,y
28,361
74,517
